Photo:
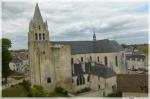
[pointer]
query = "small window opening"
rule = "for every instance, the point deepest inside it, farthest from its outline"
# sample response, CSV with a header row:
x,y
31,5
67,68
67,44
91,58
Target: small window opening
x,y
48,80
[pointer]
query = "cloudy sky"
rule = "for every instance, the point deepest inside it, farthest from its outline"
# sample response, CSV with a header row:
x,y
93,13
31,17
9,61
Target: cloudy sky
x,y
124,22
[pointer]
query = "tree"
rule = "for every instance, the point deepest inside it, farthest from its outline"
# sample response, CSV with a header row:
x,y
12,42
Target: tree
x,y
124,46
6,58
26,85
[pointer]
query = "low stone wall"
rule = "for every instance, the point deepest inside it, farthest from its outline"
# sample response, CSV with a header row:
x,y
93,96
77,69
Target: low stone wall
x,y
91,94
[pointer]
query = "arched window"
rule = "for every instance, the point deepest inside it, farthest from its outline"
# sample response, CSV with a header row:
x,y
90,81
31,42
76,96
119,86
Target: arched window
x,y
80,80
40,36
116,60
43,36
36,37
105,59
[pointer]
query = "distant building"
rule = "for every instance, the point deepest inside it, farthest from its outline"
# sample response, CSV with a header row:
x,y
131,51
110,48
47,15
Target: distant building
x,y
132,85
15,65
135,61
19,66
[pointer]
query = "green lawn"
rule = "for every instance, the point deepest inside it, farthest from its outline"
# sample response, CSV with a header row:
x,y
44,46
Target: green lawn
x,y
20,91
16,91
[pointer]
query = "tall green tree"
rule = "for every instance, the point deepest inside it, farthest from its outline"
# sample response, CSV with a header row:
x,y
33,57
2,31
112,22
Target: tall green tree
x,y
6,58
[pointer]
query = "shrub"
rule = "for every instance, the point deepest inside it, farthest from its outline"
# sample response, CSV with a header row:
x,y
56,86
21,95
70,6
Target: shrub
x,y
61,90
114,94
37,91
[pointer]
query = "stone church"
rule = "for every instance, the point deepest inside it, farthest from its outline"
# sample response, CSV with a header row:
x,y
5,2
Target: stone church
x,y
73,65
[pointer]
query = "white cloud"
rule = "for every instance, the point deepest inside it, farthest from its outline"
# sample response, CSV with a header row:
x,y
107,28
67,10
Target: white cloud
x,y
76,20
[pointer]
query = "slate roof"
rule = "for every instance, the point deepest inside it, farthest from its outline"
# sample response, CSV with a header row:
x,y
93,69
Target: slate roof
x,y
98,70
78,69
132,83
99,46
135,56
102,71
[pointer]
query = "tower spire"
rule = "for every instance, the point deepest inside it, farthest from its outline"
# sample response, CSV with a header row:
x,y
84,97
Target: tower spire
x,y
94,36
37,15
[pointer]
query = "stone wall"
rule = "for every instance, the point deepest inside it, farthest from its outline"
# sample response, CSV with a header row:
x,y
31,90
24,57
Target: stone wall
x,y
110,82
41,65
103,84
79,87
61,61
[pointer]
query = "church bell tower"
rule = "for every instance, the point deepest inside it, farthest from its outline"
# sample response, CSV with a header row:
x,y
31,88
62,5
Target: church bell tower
x,y
41,68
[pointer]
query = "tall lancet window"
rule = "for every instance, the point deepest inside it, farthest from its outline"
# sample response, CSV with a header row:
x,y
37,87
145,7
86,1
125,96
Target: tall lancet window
x,y
40,36
116,59
36,37
105,59
43,36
